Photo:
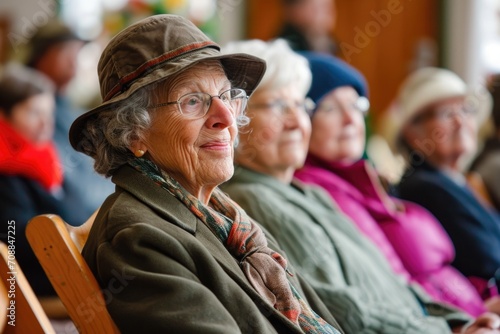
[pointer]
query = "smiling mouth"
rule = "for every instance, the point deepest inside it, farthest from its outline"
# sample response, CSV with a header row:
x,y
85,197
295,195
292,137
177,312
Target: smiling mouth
x,y
216,145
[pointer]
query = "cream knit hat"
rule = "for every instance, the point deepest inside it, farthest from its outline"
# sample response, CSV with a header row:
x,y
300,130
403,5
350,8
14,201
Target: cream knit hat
x,y
430,85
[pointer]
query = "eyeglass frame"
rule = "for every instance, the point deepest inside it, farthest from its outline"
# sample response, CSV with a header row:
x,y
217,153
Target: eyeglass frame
x,y
284,107
242,111
444,114
362,105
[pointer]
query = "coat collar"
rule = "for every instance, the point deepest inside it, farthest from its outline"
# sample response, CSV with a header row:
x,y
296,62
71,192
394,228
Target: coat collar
x,y
172,210
151,194
359,180
295,192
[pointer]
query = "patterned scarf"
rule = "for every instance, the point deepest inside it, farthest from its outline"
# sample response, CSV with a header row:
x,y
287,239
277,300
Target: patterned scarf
x,y
264,268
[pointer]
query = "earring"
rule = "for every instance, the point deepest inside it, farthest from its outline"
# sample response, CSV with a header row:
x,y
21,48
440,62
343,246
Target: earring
x,y
139,153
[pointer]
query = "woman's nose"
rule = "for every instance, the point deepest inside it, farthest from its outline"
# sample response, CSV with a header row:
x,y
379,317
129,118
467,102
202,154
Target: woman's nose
x,y
291,116
219,115
347,114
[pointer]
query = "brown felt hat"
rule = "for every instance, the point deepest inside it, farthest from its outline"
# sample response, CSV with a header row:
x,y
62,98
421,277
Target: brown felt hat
x,y
154,49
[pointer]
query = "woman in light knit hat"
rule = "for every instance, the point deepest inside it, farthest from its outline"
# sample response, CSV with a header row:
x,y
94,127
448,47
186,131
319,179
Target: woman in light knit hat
x,y
439,117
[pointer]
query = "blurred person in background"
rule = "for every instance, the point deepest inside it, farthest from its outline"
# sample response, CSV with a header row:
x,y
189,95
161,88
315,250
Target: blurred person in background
x,y
346,270
438,121
487,163
31,179
53,51
309,24
412,240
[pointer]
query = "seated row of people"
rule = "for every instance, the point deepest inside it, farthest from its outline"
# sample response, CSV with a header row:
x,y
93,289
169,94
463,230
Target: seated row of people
x,y
185,243
313,261
318,238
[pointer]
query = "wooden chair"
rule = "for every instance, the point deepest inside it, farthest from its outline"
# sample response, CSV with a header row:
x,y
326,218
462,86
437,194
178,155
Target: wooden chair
x,y
28,315
57,246
4,303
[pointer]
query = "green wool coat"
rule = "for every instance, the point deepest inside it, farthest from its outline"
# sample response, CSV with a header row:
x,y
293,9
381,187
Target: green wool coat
x,y
163,271
347,271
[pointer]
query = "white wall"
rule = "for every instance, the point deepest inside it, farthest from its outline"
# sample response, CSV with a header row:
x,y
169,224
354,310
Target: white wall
x,y
231,16
469,28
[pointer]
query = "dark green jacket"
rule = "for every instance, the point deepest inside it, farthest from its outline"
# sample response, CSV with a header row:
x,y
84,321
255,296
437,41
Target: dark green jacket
x,y
163,271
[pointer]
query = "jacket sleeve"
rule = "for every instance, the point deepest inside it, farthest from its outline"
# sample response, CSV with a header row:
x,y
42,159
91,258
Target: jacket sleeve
x,y
154,286
354,311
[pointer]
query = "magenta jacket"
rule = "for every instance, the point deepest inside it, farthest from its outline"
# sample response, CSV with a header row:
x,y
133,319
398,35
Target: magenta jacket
x,y
413,241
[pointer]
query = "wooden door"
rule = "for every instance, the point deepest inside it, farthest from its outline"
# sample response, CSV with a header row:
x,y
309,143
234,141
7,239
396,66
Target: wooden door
x,y
384,39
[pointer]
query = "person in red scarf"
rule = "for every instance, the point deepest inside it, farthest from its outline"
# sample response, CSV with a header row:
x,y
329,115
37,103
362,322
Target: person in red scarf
x,y
30,172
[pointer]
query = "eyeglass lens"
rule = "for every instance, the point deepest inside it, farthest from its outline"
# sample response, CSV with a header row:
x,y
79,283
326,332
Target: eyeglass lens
x,y
197,104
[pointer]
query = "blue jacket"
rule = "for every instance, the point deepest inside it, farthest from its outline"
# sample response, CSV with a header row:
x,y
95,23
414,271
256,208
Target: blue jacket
x,y
474,230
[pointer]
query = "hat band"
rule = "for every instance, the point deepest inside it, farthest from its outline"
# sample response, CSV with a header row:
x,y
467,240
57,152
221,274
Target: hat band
x,y
145,68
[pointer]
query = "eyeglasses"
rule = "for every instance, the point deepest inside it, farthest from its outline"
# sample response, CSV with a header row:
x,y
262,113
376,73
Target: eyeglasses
x,y
446,113
360,105
196,105
281,108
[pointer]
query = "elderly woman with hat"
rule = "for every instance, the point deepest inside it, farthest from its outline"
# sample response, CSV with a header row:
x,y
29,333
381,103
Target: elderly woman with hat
x,y
437,128
413,241
346,270
176,254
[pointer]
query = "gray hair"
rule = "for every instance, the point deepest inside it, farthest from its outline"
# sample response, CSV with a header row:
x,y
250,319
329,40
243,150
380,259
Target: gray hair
x,y
108,136
284,66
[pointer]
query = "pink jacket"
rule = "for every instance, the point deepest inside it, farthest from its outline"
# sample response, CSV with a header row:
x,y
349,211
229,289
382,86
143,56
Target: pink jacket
x,y
412,240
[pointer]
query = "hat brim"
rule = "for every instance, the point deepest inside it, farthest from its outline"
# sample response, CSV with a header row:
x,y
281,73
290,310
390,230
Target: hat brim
x,y
243,71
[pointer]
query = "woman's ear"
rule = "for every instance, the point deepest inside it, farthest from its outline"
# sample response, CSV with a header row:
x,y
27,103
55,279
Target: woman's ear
x,y
138,148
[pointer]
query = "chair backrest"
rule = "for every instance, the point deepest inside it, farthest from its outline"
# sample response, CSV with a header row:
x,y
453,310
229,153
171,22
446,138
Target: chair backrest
x,y
4,303
24,312
57,246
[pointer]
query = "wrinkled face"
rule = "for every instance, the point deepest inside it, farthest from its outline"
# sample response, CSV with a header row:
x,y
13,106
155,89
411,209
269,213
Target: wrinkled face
x,y
338,127
34,118
277,138
197,152
444,133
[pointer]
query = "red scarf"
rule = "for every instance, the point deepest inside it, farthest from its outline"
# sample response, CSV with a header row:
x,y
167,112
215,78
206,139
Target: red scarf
x,y
19,156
